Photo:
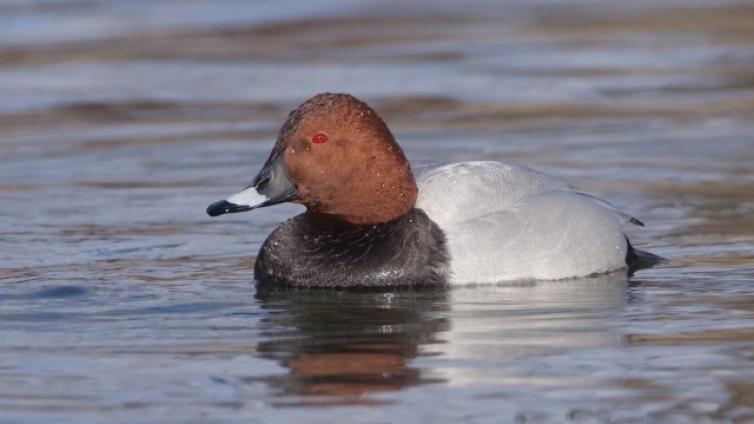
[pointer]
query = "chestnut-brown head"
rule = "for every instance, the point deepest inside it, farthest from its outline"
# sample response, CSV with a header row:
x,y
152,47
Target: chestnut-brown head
x,y
335,155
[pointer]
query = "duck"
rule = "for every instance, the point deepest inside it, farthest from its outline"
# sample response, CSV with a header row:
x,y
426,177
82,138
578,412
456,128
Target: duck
x,y
371,222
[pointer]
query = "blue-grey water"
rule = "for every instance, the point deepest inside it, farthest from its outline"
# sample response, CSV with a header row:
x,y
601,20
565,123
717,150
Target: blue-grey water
x,y
121,301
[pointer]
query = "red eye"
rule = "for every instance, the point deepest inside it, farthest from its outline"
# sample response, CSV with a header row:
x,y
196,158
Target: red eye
x,y
319,138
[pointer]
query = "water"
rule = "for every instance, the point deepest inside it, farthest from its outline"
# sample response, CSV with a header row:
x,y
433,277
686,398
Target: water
x,y
121,301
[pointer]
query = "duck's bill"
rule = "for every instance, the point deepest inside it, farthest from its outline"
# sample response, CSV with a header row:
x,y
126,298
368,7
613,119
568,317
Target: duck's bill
x,y
247,200
241,202
270,187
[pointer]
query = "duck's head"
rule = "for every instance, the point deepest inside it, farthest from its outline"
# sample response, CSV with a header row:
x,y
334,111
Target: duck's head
x,y
337,157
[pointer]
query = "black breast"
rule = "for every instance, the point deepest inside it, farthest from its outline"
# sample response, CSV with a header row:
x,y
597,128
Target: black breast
x,y
316,251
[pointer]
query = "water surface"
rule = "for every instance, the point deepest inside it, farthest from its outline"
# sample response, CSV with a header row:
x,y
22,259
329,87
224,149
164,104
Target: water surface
x,y
121,301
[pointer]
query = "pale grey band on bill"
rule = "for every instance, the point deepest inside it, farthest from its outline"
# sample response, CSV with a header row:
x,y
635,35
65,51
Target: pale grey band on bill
x,y
249,197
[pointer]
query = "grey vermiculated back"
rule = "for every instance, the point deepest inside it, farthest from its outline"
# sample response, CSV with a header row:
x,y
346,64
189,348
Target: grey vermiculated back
x,y
506,222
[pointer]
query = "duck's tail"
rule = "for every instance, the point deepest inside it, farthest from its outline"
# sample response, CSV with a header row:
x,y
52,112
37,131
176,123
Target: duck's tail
x,y
639,259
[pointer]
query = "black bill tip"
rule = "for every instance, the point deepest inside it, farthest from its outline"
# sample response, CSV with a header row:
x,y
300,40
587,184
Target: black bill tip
x,y
223,206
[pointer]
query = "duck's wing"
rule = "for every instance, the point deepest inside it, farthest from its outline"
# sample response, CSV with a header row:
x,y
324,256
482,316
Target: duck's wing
x,y
467,190
484,187
625,218
508,222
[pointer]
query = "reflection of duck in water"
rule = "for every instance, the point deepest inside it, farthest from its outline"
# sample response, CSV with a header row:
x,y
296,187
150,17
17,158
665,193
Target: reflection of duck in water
x,y
498,328
347,343
369,222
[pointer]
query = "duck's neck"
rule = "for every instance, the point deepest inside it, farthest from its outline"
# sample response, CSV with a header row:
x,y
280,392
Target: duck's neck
x,y
370,201
375,213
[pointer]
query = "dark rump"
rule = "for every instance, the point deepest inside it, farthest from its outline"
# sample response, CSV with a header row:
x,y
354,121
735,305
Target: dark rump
x,y
640,259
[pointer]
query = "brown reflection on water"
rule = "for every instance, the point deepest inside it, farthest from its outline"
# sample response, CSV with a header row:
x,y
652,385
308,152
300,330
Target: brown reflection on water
x,y
355,362
350,343
702,337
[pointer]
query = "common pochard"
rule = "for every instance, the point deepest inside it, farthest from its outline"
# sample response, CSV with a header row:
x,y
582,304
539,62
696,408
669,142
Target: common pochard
x,y
370,222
